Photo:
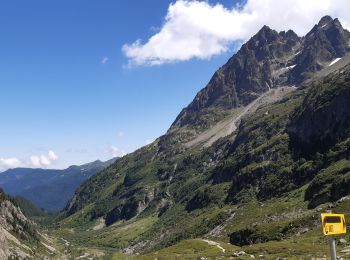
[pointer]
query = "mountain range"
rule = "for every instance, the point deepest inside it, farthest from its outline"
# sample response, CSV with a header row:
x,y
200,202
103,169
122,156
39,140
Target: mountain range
x,y
48,188
243,172
252,159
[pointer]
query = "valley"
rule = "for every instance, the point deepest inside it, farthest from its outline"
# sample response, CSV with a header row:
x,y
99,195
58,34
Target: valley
x,y
244,171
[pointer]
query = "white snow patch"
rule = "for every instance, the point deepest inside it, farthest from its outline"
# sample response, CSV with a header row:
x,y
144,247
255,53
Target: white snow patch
x,y
287,68
334,61
323,26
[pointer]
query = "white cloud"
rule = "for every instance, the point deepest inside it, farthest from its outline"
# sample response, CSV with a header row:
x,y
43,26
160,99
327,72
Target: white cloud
x,y
12,162
43,160
104,60
52,155
35,160
116,152
120,134
197,29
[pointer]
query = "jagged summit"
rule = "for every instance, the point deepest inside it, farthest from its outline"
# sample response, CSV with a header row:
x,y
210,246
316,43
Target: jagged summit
x,y
327,41
268,60
324,20
290,34
266,32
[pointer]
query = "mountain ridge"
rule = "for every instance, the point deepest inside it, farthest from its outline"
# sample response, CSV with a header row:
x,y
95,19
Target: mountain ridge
x,y
57,185
268,60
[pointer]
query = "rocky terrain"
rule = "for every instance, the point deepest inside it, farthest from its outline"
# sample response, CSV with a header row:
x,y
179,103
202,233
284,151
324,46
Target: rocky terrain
x,y
20,237
268,60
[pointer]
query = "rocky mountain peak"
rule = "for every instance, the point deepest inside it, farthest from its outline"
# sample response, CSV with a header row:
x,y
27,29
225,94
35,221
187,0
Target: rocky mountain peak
x,y
290,34
266,34
325,20
326,41
270,59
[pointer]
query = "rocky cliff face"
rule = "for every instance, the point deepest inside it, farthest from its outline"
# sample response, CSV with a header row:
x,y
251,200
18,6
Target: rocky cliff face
x,y
326,41
4,248
324,117
14,229
268,60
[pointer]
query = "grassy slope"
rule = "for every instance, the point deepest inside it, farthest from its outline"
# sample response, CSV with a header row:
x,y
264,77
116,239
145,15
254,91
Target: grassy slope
x,y
306,245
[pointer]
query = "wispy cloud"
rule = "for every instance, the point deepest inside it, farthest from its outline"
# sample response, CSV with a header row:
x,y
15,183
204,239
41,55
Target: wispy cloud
x,y
104,60
120,134
198,29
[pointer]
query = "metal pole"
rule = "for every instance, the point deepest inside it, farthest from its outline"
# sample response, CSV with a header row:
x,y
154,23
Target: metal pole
x,y
332,248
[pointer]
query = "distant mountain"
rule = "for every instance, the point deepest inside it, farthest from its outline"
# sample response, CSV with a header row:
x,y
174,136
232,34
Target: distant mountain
x,y
46,188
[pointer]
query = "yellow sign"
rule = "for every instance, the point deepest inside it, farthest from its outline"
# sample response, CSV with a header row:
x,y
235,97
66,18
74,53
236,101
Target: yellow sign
x,y
333,224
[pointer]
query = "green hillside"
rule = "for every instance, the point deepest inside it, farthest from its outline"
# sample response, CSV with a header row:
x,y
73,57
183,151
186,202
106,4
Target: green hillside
x,y
257,189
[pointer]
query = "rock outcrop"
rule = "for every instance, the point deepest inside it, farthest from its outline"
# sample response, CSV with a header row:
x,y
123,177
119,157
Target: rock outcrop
x,y
15,227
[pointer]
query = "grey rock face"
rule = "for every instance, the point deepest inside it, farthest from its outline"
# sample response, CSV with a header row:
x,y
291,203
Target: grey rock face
x,y
268,60
325,42
13,225
322,120
4,248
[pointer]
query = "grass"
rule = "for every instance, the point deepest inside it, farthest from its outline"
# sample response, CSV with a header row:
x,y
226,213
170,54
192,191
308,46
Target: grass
x,y
78,218
122,234
106,241
269,216
190,249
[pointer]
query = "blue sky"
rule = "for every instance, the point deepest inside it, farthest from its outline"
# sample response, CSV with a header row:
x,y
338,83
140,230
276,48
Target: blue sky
x,y
84,79
57,95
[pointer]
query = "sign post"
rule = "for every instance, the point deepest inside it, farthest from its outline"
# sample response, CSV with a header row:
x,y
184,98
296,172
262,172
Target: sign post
x,y
333,224
332,248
